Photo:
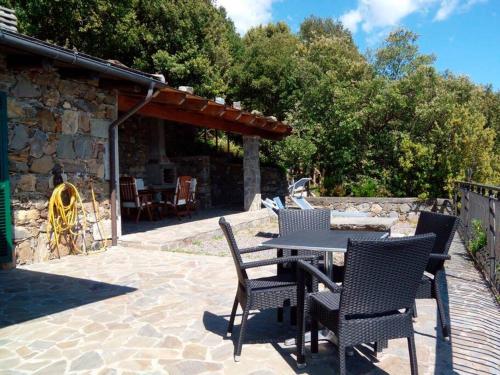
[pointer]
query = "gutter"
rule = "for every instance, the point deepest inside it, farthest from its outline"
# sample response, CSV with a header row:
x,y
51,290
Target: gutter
x,y
112,156
82,60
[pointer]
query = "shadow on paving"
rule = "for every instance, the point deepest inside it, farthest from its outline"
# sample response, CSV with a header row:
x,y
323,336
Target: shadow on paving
x,y
263,328
444,350
28,295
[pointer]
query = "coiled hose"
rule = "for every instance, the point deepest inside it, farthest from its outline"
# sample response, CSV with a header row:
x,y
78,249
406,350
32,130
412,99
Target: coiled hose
x,y
67,217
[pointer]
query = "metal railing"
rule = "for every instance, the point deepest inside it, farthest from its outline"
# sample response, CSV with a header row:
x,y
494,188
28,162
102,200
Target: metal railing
x,y
480,202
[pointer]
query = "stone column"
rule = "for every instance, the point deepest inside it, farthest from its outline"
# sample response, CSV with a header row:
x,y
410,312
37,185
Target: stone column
x,y
251,173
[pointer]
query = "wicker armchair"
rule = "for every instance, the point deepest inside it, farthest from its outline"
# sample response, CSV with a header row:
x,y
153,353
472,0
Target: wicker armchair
x,y
261,293
375,302
444,226
292,221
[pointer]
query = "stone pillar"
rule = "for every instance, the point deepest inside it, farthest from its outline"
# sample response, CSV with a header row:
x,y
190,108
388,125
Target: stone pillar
x,y
251,173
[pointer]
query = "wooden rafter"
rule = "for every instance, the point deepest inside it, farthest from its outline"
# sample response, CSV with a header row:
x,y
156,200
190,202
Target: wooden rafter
x,y
199,118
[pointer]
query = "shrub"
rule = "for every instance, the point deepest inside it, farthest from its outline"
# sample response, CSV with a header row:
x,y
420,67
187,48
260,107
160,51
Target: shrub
x,y
479,239
368,187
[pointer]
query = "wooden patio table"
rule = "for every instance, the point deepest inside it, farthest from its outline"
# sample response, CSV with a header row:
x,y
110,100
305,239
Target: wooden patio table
x,y
328,242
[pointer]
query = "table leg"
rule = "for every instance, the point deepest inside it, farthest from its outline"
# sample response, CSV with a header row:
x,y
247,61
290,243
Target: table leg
x,y
329,264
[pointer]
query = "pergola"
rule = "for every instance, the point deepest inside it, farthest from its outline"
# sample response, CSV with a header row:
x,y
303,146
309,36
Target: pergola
x,y
179,106
184,108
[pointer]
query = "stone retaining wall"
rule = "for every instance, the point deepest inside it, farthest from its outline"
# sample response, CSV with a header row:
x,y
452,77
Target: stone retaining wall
x,y
405,209
54,121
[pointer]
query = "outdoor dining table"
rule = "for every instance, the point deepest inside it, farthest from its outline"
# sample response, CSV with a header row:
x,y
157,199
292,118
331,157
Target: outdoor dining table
x,y
323,241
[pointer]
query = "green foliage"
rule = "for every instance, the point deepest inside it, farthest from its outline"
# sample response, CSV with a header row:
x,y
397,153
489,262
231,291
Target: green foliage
x,y
479,239
399,55
367,187
392,119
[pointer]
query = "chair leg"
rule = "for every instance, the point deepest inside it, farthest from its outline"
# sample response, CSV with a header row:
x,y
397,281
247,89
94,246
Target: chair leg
x,y
139,210
414,312
148,210
244,319
377,348
300,341
280,314
314,335
293,315
442,316
413,355
342,360
233,314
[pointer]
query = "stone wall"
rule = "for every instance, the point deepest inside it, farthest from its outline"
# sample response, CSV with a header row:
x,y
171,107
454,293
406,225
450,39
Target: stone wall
x,y
54,121
198,167
273,182
402,208
220,177
133,141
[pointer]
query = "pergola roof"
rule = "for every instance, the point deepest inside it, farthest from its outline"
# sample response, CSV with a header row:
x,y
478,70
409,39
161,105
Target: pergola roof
x,y
179,106
170,104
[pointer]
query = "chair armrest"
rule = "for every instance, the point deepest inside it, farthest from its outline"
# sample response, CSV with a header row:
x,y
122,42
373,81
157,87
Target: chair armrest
x,y
268,262
439,256
255,249
315,272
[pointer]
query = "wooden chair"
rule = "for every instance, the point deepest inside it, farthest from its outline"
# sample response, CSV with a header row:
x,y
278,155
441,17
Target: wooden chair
x,y
131,199
180,203
192,202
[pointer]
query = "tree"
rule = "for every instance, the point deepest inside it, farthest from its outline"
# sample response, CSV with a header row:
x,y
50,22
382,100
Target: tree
x,y
265,77
399,55
190,42
316,27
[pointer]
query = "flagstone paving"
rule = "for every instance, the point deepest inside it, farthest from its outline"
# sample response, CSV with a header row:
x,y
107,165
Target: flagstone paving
x,y
140,311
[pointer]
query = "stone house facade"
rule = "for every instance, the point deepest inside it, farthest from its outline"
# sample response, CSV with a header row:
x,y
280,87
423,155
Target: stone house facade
x,y
54,121
61,115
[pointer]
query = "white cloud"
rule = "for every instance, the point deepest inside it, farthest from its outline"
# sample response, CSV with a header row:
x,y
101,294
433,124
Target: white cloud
x,y
247,13
380,14
373,14
446,8
351,19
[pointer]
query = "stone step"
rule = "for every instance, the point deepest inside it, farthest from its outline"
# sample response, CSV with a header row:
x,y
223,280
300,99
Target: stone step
x,y
183,234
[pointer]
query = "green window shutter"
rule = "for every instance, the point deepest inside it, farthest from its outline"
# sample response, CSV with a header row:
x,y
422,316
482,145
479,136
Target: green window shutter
x,y
5,218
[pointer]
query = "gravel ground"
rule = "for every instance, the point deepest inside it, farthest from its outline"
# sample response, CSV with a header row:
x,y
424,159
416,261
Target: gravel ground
x,y
217,246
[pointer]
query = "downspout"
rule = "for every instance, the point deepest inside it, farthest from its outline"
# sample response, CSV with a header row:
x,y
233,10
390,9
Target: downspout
x,y
112,159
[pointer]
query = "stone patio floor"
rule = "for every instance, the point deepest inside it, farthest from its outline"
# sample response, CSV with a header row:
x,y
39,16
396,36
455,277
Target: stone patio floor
x,y
131,311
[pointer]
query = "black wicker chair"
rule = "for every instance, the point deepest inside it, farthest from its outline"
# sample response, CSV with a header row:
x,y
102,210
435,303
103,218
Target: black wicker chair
x,y
444,226
374,303
292,221
261,293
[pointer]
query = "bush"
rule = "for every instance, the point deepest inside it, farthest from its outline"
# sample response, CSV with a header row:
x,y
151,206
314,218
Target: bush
x,y
368,187
479,239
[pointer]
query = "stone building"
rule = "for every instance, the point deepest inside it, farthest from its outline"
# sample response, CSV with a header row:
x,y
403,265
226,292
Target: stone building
x,y
74,116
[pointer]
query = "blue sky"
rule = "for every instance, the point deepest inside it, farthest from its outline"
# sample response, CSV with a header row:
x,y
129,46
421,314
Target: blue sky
x,y
464,35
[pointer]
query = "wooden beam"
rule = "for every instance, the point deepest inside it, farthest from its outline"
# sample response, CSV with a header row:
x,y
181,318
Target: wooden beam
x,y
171,96
260,122
247,118
174,113
195,103
214,109
232,114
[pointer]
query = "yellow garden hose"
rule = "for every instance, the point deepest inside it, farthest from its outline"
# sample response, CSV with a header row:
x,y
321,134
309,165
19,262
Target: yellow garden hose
x,y
67,217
